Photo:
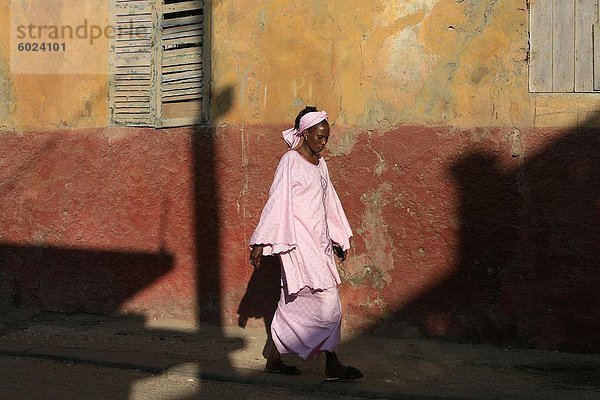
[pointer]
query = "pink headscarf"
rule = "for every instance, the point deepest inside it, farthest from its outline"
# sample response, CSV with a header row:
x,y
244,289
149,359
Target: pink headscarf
x,y
293,136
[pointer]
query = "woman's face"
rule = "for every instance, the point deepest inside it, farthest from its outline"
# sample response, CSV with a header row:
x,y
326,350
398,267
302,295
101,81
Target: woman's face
x,y
317,137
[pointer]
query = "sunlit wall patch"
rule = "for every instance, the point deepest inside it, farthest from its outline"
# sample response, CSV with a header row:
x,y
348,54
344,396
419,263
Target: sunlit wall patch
x,y
54,37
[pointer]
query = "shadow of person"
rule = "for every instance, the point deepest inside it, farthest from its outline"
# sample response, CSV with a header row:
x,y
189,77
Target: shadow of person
x,y
261,297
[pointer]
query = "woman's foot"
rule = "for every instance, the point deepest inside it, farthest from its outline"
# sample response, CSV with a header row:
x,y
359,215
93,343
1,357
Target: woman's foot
x,y
275,365
336,371
282,368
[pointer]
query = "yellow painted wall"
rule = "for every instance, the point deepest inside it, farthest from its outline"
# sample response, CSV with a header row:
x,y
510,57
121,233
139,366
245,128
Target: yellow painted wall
x,y
381,63
35,101
373,64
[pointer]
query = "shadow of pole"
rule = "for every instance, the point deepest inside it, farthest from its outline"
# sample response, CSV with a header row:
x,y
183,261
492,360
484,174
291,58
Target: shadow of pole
x,y
206,215
207,233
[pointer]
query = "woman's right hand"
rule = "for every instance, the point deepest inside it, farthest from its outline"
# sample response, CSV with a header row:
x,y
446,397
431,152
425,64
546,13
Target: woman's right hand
x,y
256,255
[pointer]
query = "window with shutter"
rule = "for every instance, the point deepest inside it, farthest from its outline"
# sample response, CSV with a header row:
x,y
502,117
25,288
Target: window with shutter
x,y
564,38
157,58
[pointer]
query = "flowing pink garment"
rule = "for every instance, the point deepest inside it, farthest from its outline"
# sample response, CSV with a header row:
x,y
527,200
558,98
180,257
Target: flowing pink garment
x,y
307,322
300,221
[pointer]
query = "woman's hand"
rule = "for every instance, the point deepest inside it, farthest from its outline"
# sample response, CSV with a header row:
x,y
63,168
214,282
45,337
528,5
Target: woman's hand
x,y
340,253
256,255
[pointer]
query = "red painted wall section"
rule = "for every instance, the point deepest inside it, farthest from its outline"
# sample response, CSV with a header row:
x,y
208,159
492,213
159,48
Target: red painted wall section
x,y
98,220
474,234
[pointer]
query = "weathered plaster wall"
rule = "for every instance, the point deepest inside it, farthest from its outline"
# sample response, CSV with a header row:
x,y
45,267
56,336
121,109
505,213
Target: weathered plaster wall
x,y
454,235
378,64
473,202
373,64
89,224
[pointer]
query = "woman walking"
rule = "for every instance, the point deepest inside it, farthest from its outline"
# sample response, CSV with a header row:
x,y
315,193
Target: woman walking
x,y
304,223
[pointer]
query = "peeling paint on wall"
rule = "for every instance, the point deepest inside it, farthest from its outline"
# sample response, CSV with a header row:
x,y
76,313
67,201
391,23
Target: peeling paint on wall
x,y
372,267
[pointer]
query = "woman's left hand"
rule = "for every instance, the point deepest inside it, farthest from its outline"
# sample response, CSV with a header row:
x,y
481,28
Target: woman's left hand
x,y
256,255
340,253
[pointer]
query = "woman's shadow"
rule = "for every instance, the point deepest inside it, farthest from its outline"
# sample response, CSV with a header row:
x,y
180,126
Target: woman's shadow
x,y
262,296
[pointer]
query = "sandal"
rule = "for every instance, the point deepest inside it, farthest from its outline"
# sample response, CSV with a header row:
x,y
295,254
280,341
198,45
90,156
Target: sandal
x,y
350,374
284,369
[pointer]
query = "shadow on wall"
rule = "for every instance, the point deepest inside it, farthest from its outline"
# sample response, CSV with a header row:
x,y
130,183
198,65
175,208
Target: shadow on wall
x,y
529,254
261,297
68,279
206,214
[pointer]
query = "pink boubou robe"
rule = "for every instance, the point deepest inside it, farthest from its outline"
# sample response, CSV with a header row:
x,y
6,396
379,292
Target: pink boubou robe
x,y
300,222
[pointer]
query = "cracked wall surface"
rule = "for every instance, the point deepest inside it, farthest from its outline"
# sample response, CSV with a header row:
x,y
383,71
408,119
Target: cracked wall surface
x,y
378,64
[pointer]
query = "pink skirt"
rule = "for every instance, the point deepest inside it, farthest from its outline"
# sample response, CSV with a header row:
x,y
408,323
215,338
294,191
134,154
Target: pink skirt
x,y
307,322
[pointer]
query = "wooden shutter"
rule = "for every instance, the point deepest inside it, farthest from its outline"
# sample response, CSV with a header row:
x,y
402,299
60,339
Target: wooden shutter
x,y
563,50
540,45
585,18
596,49
180,62
158,77
132,65
562,45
